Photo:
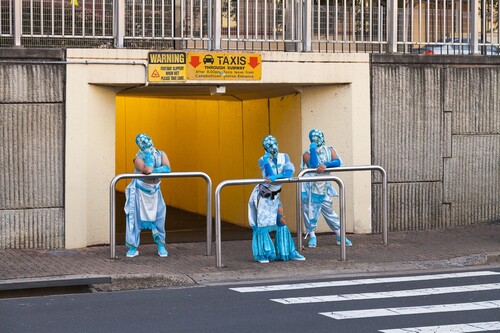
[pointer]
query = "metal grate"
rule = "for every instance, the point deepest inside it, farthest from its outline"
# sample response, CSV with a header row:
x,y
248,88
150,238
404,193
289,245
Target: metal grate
x,y
339,26
259,24
67,23
6,28
166,24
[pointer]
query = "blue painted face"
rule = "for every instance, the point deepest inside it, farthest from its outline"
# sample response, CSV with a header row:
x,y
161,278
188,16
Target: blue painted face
x,y
317,137
144,142
270,145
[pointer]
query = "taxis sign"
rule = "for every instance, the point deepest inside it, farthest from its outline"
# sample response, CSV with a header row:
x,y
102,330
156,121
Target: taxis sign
x,y
223,66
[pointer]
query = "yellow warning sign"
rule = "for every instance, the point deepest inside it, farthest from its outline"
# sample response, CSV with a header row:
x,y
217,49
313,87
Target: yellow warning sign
x,y
223,66
167,66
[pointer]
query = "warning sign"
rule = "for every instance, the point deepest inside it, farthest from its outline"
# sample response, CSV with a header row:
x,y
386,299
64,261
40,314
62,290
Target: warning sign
x,y
223,66
167,66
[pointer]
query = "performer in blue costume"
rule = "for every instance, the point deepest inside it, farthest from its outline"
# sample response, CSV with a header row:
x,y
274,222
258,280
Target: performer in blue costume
x,y
144,206
265,211
317,196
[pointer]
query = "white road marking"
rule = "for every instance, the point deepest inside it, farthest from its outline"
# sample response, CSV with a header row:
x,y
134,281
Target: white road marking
x,y
460,328
383,312
389,294
361,282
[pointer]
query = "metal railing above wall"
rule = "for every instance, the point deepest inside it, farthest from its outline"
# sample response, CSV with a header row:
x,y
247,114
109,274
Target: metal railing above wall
x,y
414,26
218,249
448,27
343,169
112,200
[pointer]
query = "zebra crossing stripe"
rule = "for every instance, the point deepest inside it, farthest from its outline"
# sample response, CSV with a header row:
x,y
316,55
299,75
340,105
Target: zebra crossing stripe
x,y
460,328
368,313
357,282
388,294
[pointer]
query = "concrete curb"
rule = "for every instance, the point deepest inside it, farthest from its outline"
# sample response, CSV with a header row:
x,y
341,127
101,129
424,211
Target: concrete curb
x,y
222,277
493,258
144,281
53,282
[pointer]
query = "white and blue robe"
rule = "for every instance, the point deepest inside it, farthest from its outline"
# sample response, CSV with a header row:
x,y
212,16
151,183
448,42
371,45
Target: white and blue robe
x,y
263,213
145,208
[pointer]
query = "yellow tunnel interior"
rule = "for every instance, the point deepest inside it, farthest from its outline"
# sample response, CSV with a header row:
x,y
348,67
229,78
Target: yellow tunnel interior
x,y
220,137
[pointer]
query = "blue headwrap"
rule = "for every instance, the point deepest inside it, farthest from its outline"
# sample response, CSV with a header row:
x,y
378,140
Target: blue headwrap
x,y
270,144
317,137
144,142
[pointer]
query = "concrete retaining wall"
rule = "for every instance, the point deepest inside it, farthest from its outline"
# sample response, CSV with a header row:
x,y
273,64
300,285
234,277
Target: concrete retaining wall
x,y
436,131
31,149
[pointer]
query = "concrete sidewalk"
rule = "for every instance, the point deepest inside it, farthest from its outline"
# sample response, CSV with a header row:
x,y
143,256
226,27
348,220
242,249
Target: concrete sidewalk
x,y
187,264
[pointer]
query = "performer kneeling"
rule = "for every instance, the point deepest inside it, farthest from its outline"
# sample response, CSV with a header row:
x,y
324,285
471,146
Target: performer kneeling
x,y
265,211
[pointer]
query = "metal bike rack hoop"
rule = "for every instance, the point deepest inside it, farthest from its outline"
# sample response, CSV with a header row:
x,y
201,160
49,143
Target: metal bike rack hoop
x,y
218,251
341,169
112,195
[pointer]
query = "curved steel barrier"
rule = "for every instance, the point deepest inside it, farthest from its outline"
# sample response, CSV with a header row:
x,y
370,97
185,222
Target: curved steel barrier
x,y
221,185
112,194
339,169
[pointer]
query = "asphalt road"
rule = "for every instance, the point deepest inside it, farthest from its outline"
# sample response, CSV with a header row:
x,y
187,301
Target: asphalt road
x,y
459,301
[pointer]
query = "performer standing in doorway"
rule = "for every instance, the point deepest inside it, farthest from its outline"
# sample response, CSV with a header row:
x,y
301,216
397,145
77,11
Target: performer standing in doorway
x,y
144,206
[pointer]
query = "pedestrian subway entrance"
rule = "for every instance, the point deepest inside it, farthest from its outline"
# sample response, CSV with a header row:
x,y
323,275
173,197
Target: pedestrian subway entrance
x,y
220,136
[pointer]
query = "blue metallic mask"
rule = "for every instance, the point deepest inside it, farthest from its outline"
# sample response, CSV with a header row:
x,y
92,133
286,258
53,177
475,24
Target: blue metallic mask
x,y
144,142
270,145
317,137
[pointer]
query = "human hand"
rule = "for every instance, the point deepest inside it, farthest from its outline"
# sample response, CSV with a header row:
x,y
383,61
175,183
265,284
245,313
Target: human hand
x,y
147,170
313,145
321,168
273,178
281,221
266,156
268,181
